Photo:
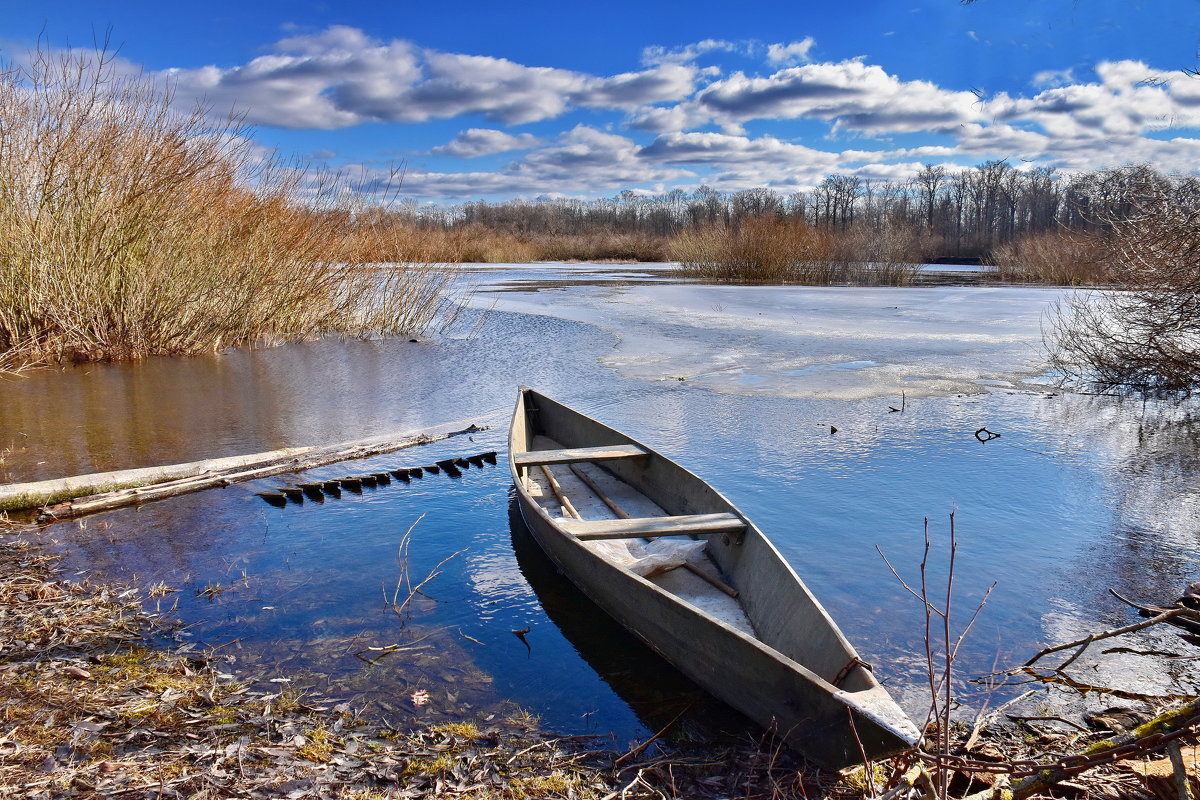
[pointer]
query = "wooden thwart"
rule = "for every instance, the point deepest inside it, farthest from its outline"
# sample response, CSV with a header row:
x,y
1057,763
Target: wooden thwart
x,y
536,457
652,527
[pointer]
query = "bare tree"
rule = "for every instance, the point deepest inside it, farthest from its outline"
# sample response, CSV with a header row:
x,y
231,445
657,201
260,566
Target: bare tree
x,y
929,180
1146,335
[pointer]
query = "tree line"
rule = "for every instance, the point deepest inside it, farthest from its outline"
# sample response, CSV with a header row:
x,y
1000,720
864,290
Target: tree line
x,y
965,214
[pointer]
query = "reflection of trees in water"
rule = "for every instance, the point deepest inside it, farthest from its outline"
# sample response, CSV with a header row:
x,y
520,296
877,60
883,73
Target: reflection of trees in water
x,y
170,410
1158,504
1151,455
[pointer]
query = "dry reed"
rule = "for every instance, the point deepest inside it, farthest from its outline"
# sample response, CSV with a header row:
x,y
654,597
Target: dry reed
x,y
769,249
396,239
129,229
1063,258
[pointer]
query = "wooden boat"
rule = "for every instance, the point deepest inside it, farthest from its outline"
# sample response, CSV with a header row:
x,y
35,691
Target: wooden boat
x,y
681,568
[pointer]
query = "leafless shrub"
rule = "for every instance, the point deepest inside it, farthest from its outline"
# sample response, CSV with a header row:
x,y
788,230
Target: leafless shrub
x,y
1147,335
941,651
760,249
889,254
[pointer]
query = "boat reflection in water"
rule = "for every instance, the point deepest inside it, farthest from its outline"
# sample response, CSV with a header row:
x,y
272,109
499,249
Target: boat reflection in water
x,y
654,690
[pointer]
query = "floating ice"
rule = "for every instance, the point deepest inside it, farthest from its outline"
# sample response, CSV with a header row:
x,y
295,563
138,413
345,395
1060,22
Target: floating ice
x,y
802,341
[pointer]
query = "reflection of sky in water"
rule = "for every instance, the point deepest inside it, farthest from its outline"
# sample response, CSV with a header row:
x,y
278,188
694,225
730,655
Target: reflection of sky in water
x,y
1079,493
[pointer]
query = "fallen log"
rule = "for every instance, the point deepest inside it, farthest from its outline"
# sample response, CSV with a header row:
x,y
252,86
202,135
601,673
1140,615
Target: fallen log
x,y
88,494
23,496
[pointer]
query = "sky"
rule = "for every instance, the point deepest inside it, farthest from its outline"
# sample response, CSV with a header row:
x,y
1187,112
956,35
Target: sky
x,y
492,100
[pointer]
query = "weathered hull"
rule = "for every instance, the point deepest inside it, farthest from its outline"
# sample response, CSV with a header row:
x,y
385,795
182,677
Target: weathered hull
x,y
827,725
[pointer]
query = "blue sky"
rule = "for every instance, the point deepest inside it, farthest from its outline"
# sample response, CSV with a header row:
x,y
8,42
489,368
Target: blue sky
x,y
487,100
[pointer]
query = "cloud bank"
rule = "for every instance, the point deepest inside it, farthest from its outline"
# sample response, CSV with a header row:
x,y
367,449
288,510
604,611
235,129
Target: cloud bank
x,y
681,121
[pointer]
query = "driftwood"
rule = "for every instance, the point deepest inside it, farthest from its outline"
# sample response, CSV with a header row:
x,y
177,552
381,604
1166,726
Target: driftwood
x,y
1144,739
144,485
22,496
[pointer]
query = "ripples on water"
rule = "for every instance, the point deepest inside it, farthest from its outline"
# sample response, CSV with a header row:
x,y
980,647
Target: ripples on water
x,y
1079,494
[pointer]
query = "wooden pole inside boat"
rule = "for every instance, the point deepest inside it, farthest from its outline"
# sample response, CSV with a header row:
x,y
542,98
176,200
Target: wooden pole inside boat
x,y
558,493
620,512
591,484
715,582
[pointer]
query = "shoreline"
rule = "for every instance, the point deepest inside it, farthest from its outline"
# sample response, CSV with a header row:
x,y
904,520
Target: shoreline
x,y
102,699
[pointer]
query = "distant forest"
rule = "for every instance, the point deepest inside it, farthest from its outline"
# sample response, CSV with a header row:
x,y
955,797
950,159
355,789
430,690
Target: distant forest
x,y
976,214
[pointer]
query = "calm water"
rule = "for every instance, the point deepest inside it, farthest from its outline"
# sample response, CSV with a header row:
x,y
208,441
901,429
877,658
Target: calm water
x,y
1078,495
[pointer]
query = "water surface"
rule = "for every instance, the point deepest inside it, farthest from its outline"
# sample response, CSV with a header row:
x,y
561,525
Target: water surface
x,y
743,385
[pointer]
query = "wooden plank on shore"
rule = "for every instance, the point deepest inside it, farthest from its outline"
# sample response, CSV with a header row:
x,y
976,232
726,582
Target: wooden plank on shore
x,y
652,527
536,457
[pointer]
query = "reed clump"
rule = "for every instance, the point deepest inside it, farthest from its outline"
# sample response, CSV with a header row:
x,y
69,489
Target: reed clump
x,y
1063,258
396,239
128,229
770,249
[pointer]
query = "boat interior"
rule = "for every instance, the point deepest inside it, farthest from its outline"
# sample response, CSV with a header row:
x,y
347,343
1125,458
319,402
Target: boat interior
x,y
627,528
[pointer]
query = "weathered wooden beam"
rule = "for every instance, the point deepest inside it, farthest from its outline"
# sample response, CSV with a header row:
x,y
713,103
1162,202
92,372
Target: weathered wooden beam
x,y
535,457
20,496
556,487
651,527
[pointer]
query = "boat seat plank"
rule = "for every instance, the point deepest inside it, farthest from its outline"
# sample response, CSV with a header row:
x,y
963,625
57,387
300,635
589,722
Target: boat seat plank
x,y
651,527
573,454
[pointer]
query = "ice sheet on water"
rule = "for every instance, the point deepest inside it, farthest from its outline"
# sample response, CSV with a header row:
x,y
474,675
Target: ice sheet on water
x,y
803,341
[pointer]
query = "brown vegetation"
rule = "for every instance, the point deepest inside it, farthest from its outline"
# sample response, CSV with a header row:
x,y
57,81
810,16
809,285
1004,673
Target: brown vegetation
x,y
951,214
770,249
1059,258
93,709
127,229
396,239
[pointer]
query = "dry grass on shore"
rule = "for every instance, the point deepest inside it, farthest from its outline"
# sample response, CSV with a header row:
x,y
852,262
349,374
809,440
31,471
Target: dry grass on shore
x,y
394,239
99,700
129,229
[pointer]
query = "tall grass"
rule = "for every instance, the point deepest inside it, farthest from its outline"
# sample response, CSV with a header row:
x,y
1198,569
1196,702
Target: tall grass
x,y
768,249
128,229
1063,258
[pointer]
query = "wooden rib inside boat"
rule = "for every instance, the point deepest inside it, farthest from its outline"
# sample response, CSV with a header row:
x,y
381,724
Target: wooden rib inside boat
x,y
678,565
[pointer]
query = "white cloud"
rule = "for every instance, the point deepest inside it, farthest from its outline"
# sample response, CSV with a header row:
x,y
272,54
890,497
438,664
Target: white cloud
x,y
724,149
790,54
853,95
341,77
629,90
475,142
1053,78
1121,103
656,54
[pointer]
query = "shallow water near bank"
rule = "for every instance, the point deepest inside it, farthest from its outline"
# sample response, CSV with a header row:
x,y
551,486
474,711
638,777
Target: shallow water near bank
x,y
1078,495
